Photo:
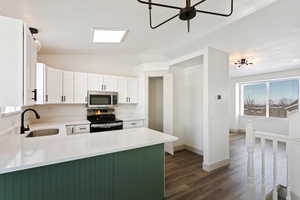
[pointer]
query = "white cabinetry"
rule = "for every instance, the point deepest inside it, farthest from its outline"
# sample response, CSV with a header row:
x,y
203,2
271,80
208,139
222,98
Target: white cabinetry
x,y
57,86
41,83
30,60
95,82
102,83
67,87
17,58
133,124
128,90
110,84
53,86
80,87
132,90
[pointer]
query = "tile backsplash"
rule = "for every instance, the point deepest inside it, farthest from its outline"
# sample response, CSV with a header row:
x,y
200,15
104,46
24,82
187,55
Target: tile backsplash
x,y
75,112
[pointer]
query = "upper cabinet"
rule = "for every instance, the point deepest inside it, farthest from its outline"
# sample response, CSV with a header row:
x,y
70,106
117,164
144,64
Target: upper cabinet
x,y
17,55
53,86
95,82
128,90
58,87
104,83
110,84
80,87
30,60
67,87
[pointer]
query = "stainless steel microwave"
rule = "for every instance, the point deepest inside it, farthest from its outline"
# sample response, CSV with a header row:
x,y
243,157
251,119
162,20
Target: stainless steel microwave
x,y
100,99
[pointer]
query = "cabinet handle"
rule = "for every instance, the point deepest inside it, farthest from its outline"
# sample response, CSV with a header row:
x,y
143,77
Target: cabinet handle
x,y
46,97
62,98
65,98
129,99
34,95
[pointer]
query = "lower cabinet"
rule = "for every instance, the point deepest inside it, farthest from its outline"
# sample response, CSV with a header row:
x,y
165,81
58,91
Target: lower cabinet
x,y
133,124
130,175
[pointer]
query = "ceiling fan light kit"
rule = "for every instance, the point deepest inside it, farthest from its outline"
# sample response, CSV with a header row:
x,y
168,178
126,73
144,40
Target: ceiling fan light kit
x,y
185,14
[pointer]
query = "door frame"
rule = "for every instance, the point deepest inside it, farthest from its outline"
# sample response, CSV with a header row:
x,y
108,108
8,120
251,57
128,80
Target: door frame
x,y
168,108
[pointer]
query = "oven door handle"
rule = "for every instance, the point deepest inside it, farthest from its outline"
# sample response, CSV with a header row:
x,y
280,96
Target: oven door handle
x,y
106,125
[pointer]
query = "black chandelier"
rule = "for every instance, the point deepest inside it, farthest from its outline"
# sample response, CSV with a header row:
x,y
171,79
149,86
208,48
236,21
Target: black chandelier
x,y
242,62
186,14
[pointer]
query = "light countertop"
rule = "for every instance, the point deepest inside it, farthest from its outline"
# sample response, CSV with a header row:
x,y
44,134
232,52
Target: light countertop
x,y
18,152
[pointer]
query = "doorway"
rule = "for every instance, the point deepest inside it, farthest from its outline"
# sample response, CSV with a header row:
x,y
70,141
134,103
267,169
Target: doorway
x,y
156,103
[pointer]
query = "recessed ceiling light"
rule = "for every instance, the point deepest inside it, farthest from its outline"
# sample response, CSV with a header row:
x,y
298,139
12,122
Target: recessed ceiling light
x,y
108,36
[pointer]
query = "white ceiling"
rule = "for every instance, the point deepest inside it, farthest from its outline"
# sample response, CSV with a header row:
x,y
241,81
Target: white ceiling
x,y
66,25
269,37
261,29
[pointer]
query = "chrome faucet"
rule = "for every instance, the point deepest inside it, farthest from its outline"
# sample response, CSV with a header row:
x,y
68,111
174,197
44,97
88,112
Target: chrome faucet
x,y
23,129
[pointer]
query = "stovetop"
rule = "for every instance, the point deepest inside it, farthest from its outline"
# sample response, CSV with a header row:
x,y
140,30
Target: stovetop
x,y
103,119
102,116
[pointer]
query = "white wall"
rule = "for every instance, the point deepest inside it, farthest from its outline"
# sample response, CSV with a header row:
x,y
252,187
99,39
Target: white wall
x,y
179,105
275,125
156,103
215,112
13,8
103,64
194,107
188,106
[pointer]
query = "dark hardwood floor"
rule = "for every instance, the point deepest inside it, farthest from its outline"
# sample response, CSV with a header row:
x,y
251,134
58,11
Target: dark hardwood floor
x,y
185,179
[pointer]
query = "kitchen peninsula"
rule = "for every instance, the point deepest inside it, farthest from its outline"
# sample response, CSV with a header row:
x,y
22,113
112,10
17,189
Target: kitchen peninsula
x,y
115,165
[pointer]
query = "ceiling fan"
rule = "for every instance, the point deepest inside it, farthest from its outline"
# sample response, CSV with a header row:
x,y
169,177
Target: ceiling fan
x,y
186,14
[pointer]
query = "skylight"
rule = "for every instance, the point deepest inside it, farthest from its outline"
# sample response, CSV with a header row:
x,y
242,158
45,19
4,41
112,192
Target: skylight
x,y
108,36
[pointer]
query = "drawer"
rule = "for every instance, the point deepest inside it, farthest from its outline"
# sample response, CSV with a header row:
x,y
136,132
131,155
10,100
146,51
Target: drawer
x,y
133,124
81,129
77,129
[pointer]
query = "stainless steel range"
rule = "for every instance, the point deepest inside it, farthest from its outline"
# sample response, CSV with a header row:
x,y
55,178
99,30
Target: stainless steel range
x,y
103,119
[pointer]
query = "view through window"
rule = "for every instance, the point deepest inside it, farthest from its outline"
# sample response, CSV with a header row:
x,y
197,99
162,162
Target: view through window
x,y
277,98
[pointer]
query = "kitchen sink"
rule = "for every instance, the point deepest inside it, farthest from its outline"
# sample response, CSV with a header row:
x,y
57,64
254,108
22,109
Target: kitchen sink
x,y
44,132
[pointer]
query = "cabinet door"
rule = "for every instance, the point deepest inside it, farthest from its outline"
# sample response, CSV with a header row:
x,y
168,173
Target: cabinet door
x,y
80,88
110,84
28,55
68,87
95,82
122,91
30,61
41,83
33,70
54,86
132,90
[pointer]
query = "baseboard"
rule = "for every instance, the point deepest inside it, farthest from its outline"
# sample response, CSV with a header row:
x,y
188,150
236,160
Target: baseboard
x,y
194,150
217,165
179,148
189,148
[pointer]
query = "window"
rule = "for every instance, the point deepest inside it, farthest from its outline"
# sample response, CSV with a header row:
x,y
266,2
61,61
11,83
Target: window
x,y
278,98
255,97
283,98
